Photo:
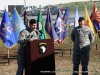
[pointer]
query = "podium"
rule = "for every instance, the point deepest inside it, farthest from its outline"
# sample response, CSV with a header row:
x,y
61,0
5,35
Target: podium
x,y
39,57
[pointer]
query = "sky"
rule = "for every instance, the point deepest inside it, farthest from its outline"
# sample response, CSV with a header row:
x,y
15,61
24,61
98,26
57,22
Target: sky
x,y
5,3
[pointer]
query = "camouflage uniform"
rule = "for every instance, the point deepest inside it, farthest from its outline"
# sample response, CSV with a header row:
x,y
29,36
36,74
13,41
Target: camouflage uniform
x,y
23,39
82,38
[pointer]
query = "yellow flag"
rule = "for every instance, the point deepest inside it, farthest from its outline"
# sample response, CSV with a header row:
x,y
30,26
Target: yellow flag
x,y
89,22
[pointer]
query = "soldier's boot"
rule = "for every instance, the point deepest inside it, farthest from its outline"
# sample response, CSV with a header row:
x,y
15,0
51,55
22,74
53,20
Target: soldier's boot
x,y
76,70
85,70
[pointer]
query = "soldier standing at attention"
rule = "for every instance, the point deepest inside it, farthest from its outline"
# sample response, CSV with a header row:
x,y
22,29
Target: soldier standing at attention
x,y
82,37
26,35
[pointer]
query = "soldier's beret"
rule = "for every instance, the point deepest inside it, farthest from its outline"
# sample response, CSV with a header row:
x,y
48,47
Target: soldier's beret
x,y
80,19
32,21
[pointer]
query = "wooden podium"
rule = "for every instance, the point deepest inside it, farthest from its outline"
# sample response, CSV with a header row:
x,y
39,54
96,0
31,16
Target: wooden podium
x,y
39,57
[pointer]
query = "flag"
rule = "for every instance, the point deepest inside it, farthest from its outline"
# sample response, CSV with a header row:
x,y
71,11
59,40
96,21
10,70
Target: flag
x,y
54,35
48,23
0,22
66,21
26,20
95,17
17,24
89,22
41,26
6,31
76,18
59,27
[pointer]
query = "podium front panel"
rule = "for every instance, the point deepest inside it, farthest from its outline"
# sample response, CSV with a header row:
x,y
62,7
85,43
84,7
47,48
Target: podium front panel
x,y
39,57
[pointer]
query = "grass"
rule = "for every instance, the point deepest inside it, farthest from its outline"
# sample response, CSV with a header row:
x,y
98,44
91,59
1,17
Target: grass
x,y
90,4
94,63
63,64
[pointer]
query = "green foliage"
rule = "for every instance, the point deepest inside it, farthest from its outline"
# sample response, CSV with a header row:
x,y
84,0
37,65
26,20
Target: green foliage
x,y
72,6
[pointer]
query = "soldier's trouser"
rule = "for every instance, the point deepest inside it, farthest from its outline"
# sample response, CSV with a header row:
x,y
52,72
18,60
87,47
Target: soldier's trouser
x,y
20,69
83,57
20,61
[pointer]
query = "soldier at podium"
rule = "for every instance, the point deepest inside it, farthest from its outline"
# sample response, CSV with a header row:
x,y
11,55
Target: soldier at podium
x,y
26,35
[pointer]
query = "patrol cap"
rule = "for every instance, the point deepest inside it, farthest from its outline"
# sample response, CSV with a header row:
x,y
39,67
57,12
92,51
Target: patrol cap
x,y
32,21
80,19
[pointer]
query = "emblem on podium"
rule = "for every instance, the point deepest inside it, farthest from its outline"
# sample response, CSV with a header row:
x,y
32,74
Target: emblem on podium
x,y
42,48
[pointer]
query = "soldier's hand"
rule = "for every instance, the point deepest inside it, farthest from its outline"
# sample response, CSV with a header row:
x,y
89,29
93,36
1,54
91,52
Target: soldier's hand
x,y
31,39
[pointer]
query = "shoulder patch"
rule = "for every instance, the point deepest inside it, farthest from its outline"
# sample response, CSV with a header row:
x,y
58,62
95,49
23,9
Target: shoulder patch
x,y
22,34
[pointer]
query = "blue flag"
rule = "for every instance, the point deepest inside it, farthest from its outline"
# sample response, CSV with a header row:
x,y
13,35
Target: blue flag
x,y
48,24
76,18
17,24
59,13
59,27
6,31
54,35
0,23
66,20
26,20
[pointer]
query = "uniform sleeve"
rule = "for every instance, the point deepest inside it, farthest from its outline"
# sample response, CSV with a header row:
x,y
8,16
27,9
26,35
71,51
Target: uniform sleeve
x,y
72,36
22,39
38,33
91,37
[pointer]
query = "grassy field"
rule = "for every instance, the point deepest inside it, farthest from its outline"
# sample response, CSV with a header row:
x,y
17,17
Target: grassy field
x,y
63,64
90,4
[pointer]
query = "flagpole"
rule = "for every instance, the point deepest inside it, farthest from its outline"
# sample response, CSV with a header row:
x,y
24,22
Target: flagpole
x,y
8,57
96,43
96,38
96,35
70,40
25,3
70,35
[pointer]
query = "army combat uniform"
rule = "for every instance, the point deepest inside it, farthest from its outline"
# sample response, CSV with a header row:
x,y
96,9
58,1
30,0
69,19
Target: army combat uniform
x,y
82,39
23,39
